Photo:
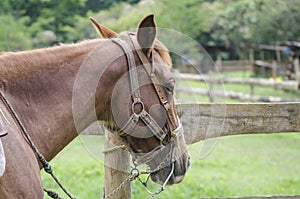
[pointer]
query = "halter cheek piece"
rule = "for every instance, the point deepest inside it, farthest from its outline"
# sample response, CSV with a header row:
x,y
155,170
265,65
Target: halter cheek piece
x,y
147,119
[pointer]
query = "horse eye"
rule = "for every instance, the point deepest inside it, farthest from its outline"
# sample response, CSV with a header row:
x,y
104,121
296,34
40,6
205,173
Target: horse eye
x,y
170,85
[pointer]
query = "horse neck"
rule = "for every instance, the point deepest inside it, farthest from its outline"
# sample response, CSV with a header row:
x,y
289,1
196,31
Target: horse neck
x,y
39,86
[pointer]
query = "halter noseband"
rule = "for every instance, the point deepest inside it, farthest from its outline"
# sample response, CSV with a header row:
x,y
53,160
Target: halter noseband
x,y
147,119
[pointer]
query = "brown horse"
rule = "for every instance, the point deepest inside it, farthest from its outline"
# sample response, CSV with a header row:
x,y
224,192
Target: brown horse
x,y
41,84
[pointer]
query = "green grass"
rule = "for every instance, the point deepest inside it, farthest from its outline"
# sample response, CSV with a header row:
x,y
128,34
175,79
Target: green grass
x,y
245,165
248,165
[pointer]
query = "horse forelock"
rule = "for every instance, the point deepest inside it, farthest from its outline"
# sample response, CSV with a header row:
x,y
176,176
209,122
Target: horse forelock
x,y
163,52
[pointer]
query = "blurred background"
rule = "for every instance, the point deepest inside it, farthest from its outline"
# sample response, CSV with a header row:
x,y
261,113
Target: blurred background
x,y
34,23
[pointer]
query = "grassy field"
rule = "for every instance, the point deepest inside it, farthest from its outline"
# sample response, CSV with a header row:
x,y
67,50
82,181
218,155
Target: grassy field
x,y
237,166
248,165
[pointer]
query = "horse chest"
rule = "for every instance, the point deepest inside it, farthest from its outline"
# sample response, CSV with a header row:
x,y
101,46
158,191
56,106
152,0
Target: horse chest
x,y
19,169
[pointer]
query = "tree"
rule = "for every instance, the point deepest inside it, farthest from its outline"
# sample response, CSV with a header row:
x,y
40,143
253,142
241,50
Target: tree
x,y
97,5
278,21
13,34
262,21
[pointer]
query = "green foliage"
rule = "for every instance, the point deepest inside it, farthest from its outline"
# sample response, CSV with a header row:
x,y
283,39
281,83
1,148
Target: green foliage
x,y
5,7
51,21
278,22
208,22
96,5
234,20
58,16
213,22
13,34
263,21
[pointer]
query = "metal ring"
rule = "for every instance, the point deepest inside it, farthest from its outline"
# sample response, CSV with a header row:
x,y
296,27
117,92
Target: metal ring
x,y
138,102
134,172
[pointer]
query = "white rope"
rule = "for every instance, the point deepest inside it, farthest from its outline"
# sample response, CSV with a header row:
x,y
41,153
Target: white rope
x,y
2,156
115,148
2,160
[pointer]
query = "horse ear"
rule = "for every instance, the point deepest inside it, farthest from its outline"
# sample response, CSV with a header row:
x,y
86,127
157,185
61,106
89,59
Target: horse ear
x,y
104,31
146,33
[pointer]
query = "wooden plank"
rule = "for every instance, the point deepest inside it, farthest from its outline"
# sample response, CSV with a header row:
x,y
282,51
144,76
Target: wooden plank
x,y
293,85
235,63
297,70
262,47
229,68
263,64
233,95
233,119
116,170
203,121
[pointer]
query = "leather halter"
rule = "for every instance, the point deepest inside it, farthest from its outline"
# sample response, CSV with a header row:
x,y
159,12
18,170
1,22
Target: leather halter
x,y
174,126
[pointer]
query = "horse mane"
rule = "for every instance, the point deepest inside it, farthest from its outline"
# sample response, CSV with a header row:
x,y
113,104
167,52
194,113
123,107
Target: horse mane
x,y
46,55
22,62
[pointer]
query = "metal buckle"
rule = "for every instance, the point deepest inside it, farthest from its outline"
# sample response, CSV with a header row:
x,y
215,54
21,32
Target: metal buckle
x,y
178,130
136,103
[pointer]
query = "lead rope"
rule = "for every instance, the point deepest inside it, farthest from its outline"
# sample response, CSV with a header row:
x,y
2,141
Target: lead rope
x,y
135,174
47,167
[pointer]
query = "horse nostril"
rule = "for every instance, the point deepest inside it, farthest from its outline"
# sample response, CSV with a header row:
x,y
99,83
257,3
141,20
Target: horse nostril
x,y
188,162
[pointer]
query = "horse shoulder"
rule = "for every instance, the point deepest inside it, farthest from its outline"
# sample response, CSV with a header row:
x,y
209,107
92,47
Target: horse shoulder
x,y
21,178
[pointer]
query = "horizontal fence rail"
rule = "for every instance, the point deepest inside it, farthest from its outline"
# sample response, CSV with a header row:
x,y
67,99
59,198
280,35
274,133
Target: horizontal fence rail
x,y
289,85
203,121
232,95
214,93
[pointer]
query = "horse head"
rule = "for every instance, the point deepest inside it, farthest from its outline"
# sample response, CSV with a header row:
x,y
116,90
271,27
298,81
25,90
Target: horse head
x,y
143,112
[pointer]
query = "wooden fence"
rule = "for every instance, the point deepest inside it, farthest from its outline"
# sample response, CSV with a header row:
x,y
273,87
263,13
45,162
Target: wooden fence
x,y
285,85
221,120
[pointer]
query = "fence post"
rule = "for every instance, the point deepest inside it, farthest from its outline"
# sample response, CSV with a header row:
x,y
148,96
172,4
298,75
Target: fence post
x,y
251,59
116,169
211,86
252,91
219,61
297,70
274,69
278,56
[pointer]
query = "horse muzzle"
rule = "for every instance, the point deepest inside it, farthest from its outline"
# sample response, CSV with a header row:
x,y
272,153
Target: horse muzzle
x,y
175,168
173,173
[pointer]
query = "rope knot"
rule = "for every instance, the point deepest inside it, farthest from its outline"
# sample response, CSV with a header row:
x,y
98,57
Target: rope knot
x,y
52,194
48,168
